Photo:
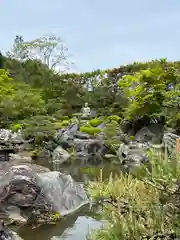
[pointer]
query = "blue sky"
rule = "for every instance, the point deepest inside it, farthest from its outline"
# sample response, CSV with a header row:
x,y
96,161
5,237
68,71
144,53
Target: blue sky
x,y
99,33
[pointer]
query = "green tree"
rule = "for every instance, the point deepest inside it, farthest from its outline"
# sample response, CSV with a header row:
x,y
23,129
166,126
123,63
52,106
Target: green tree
x,y
50,50
19,50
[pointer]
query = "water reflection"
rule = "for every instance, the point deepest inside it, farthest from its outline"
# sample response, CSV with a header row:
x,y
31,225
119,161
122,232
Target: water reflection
x,y
75,226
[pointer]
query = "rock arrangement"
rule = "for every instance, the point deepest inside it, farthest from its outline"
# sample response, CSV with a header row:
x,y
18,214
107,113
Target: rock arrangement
x,y
87,148
131,152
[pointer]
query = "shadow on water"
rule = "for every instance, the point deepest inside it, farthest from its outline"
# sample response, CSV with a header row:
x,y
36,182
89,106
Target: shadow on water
x,y
77,225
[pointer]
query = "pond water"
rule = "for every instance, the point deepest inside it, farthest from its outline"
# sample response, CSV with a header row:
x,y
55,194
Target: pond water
x,y
79,224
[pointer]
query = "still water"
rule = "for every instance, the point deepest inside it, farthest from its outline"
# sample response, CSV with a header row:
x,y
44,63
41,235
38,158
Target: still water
x,y
75,226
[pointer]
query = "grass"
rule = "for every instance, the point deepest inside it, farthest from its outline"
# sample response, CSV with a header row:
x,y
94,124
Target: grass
x,y
142,207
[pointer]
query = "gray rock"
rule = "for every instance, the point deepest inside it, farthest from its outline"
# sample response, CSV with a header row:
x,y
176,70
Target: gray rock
x,y
86,147
133,154
20,158
20,186
14,214
8,136
153,133
7,234
60,155
144,135
81,135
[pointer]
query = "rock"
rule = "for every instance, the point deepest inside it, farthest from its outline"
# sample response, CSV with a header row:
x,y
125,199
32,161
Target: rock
x,y
8,136
22,187
102,126
65,195
64,137
81,135
14,214
6,166
152,133
20,158
110,156
60,155
144,135
7,234
92,149
14,142
86,147
15,236
169,143
133,154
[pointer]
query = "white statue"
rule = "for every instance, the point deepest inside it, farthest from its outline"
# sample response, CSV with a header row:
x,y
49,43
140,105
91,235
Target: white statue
x,y
86,111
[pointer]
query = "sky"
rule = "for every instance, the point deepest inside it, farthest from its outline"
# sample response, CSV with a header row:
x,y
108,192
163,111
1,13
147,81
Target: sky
x,y
99,34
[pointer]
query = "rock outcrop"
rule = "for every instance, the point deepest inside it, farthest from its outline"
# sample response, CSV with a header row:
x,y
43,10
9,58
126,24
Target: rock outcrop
x,y
28,188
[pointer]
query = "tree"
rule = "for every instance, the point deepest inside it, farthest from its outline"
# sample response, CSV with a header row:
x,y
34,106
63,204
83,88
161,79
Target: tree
x,y
19,50
50,50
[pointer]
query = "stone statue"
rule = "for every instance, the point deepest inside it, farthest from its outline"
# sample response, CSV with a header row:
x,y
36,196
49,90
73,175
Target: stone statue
x,y
86,111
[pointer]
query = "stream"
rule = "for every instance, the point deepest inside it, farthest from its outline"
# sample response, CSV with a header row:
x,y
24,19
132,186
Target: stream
x,y
75,226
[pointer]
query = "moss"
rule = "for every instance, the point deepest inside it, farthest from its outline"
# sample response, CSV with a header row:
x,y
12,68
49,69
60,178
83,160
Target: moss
x,y
132,138
64,118
61,124
115,118
95,122
76,114
15,127
90,130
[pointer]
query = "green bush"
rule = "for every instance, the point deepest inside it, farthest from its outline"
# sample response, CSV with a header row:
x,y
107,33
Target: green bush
x,y
114,118
76,114
90,130
61,124
95,122
132,138
15,127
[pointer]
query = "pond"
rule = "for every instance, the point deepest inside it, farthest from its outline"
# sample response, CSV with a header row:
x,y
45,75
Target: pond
x,y
79,224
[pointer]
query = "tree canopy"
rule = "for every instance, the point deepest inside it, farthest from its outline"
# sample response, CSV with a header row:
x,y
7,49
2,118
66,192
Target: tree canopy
x,y
29,86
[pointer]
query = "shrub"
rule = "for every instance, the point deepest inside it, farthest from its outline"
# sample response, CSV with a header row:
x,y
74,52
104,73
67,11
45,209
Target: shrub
x,y
132,138
95,122
61,124
38,127
90,130
15,127
114,118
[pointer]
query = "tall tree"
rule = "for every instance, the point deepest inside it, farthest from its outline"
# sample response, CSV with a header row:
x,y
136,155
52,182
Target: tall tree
x,y
19,50
50,50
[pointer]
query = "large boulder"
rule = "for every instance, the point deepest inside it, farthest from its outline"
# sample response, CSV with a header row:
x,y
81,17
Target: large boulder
x,y
24,188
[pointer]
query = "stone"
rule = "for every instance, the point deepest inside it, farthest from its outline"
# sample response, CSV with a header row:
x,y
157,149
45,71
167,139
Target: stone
x,y
60,155
51,191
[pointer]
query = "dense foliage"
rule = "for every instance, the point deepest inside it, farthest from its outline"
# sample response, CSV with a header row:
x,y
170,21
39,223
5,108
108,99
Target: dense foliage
x,y
30,87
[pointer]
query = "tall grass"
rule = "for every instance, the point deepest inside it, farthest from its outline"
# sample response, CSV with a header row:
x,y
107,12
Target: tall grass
x,y
147,204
